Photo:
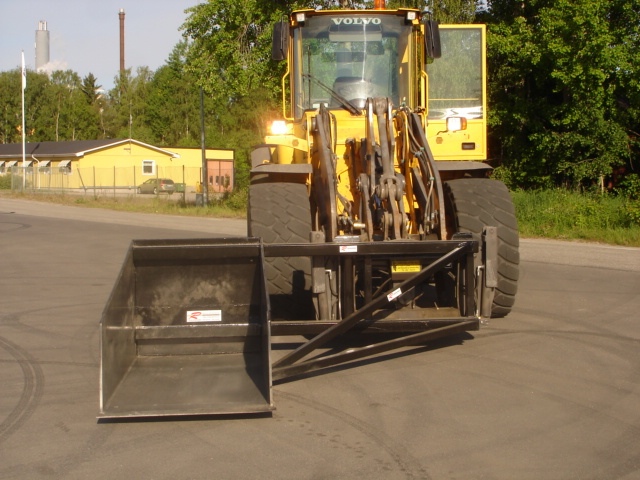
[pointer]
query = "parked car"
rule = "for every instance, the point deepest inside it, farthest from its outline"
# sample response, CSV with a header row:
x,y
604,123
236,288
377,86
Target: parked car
x,y
157,185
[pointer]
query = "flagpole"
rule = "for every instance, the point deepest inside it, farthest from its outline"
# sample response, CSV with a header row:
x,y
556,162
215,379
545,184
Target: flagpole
x,y
23,75
24,85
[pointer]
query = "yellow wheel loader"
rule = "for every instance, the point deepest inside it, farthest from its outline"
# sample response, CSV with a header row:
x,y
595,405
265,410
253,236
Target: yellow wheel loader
x,y
370,216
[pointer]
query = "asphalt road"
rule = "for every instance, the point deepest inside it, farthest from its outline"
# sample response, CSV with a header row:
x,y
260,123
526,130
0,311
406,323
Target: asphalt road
x,y
550,392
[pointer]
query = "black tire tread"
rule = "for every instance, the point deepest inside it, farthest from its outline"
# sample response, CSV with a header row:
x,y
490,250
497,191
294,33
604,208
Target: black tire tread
x,y
479,202
281,213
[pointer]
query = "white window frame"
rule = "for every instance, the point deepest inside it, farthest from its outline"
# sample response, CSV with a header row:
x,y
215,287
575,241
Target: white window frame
x,y
147,163
64,167
44,167
27,165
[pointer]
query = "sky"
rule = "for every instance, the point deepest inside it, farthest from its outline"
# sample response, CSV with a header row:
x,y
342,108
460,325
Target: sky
x,y
84,35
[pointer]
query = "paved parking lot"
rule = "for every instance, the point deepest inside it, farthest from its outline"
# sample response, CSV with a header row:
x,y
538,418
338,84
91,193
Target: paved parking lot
x,y
550,392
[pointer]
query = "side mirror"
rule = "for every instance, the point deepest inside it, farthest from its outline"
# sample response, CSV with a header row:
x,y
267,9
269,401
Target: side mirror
x,y
432,45
280,44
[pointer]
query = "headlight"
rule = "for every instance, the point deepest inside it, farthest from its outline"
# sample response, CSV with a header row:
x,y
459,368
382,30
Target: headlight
x,y
279,127
456,123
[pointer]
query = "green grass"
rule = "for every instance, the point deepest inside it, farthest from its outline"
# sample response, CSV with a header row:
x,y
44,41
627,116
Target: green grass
x,y
230,206
566,215
558,214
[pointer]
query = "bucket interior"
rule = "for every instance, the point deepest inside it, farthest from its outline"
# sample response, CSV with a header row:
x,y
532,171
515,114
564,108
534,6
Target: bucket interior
x,y
186,331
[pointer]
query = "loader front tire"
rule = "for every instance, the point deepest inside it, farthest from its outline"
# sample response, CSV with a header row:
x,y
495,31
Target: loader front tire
x,y
472,204
281,213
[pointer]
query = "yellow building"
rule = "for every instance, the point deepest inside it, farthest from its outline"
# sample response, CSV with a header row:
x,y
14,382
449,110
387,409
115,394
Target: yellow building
x,y
220,166
107,164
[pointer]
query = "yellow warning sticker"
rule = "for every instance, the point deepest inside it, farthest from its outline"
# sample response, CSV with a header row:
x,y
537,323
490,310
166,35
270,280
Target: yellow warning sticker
x,y
405,266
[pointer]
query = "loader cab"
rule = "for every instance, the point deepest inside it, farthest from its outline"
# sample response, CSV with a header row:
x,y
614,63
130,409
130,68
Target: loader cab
x,y
457,95
341,58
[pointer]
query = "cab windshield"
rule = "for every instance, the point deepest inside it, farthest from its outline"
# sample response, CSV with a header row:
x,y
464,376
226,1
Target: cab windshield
x,y
341,60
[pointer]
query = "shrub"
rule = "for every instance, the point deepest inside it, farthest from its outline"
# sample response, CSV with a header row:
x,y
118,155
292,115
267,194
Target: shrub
x,y
234,200
629,186
5,182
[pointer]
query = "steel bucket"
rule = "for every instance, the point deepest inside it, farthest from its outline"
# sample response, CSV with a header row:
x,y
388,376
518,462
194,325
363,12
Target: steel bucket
x,y
186,331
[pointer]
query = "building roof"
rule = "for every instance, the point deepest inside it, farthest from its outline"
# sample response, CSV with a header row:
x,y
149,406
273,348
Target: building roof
x,y
68,149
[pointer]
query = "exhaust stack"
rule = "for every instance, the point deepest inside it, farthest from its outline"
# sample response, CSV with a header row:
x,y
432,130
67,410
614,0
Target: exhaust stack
x,y
42,45
121,15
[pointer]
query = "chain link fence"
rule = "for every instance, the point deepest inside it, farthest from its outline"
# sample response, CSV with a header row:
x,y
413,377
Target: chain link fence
x,y
115,181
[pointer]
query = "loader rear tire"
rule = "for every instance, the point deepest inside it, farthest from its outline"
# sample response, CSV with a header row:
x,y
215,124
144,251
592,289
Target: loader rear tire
x,y
281,213
472,204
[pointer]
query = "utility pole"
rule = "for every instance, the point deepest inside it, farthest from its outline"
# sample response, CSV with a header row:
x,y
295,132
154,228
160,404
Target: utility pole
x,y
205,172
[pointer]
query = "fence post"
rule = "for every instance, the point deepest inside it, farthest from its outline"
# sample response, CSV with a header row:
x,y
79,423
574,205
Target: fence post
x,y
205,174
95,196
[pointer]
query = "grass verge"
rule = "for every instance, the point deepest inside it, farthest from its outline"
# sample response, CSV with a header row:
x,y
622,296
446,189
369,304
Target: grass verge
x,y
566,215
557,214
228,206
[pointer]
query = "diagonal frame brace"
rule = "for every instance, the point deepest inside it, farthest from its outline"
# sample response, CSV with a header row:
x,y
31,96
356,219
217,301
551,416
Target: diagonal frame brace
x,y
357,353
348,322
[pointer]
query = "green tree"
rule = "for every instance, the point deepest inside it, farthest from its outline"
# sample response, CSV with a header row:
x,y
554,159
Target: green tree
x,y
55,108
230,48
554,91
11,106
453,11
91,88
128,99
625,29
173,105
230,56
71,117
62,105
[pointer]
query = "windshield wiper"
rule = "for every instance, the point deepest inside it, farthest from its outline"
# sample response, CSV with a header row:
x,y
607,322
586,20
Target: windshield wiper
x,y
346,103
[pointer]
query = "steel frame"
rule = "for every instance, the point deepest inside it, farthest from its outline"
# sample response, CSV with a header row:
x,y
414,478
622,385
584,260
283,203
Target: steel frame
x,y
150,352
440,254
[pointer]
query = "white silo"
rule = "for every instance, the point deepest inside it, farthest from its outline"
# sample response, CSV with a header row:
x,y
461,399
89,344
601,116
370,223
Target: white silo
x,y
42,45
